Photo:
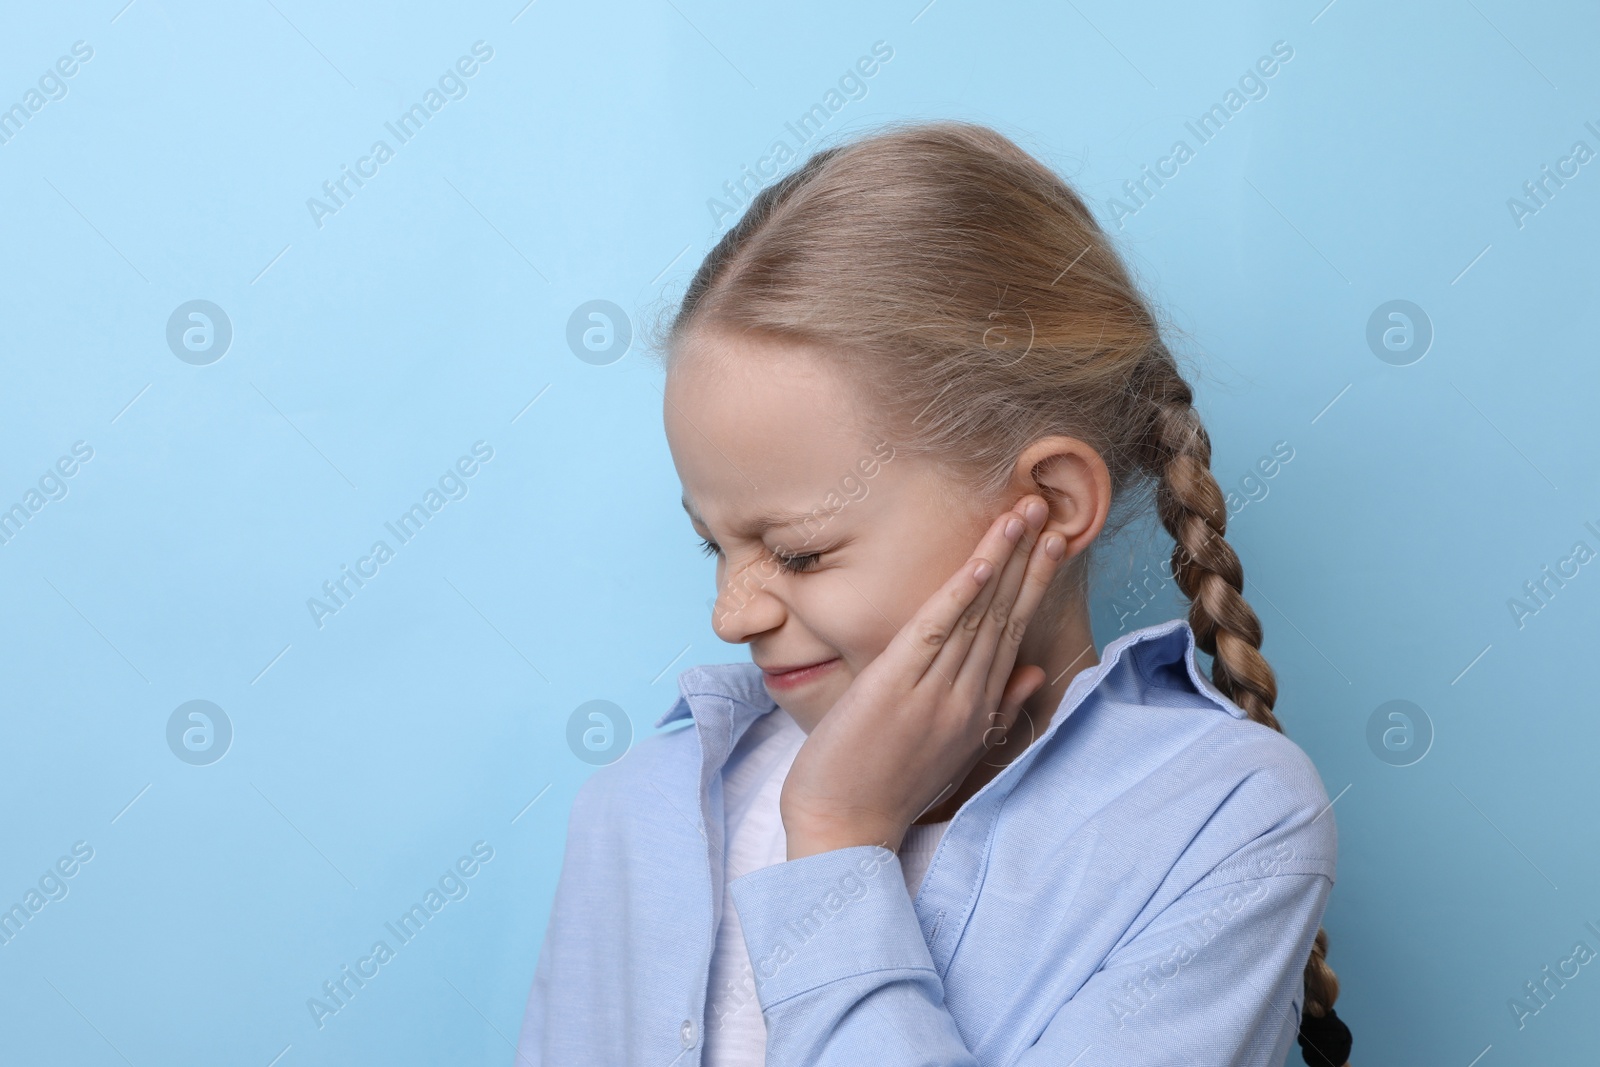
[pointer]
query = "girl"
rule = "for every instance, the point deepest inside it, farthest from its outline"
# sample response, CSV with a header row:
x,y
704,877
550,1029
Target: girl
x,y
929,823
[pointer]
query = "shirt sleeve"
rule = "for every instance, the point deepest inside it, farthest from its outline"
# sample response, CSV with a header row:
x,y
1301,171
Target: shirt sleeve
x,y
844,976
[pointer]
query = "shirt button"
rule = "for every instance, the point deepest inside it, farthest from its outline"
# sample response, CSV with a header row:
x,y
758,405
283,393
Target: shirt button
x,y
686,1031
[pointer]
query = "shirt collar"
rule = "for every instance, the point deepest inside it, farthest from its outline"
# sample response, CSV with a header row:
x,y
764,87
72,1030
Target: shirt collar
x,y
744,697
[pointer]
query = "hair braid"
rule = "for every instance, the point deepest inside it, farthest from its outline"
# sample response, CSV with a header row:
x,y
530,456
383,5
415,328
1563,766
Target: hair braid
x,y
1192,509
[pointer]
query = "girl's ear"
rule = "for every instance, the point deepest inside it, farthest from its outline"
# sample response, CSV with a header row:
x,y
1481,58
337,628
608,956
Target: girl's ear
x,y
1074,480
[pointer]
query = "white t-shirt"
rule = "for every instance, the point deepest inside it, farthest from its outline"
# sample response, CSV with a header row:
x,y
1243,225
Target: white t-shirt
x,y
752,780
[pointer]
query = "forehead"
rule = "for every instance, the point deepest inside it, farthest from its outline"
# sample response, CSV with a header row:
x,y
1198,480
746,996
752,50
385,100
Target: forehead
x,y
761,432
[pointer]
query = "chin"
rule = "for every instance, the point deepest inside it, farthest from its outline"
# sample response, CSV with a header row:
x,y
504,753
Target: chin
x,y
808,710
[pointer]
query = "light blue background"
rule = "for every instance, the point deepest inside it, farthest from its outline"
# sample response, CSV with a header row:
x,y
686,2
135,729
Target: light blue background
x,y
369,353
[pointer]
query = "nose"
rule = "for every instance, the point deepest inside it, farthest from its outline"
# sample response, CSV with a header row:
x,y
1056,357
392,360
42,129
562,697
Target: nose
x,y
745,607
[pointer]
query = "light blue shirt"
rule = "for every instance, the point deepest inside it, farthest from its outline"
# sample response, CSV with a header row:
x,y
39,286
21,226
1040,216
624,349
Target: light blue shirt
x,y
1140,886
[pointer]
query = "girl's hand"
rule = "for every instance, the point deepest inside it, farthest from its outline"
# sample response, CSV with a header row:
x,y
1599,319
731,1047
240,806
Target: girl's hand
x,y
916,720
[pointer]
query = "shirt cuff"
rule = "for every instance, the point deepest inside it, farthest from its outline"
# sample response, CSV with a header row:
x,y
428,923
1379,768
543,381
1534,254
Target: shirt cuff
x,y
827,916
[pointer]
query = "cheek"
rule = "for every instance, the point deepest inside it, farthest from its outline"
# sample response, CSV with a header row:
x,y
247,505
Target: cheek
x,y
840,608
861,616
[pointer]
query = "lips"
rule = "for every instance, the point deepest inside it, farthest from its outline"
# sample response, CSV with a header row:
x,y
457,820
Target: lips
x,y
798,675
796,667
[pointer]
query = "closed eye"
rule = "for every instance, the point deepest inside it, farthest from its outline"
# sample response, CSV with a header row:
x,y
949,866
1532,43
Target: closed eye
x,y
792,564
799,564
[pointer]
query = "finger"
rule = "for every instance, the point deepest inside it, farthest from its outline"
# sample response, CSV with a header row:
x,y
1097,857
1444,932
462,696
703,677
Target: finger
x,y
999,547
1022,684
972,673
1005,738
919,641
932,632
1042,566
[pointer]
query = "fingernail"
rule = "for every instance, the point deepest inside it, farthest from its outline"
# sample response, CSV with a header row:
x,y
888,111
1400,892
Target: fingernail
x,y
1055,546
1035,511
982,571
1013,528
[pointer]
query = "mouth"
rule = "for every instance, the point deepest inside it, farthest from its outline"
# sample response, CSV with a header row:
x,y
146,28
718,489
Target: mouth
x,y
790,678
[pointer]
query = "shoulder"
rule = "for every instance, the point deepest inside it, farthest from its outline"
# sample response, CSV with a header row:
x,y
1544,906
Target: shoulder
x,y
1204,799
1277,812
1228,797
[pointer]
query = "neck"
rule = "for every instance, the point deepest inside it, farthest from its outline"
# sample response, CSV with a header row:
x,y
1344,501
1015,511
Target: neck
x,y
1064,651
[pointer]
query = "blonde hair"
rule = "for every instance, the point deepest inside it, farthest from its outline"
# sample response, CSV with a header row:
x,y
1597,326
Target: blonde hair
x,y
971,295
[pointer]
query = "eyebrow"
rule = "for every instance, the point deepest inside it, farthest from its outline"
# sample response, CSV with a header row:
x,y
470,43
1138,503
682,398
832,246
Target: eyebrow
x,y
762,523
